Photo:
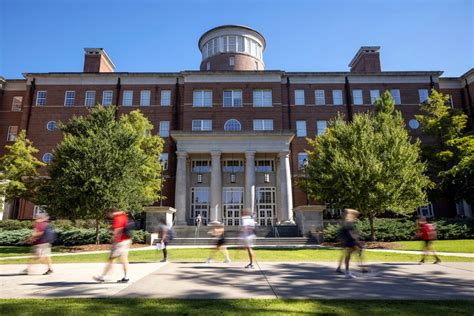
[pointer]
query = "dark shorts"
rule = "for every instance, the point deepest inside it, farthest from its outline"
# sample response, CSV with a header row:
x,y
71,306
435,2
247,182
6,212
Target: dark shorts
x,y
349,243
220,242
427,243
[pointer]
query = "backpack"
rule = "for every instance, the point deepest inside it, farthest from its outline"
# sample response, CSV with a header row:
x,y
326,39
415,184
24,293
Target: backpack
x,y
49,234
128,229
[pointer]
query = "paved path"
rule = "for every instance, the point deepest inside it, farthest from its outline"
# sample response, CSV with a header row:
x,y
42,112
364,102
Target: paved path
x,y
268,280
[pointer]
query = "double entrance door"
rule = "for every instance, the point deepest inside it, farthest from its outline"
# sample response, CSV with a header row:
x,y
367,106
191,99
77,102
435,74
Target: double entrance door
x,y
233,202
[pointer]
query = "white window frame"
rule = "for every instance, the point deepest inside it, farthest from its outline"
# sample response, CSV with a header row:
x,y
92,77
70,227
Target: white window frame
x,y
69,98
396,96
319,97
164,161
301,157
88,98
358,96
165,98
263,208
164,130
319,127
127,98
426,210
202,125
374,95
145,98
262,98
337,98
237,165
264,165
202,98
197,164
423,95
232,61
17,103
45,160
198,207
53,127
12,133
41,97
230,124
263,125
235,98
301,130
299,97
107,95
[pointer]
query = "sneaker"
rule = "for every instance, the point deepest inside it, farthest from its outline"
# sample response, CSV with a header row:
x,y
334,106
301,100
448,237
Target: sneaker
x,y
249,266
227,261
123,280
438,260
24,271
48,272
164,260
99,278
421,261
209,260
338,270
349,275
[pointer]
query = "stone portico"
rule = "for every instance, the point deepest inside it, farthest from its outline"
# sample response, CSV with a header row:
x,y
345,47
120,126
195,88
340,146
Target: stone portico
x,y
220,173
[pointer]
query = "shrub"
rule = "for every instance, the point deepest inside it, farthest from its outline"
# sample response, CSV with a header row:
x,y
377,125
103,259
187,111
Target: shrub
x,y
14,237
14,224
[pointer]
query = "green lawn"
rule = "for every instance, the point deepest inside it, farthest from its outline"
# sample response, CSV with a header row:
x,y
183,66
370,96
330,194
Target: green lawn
x,y
464,245
127,306
201,254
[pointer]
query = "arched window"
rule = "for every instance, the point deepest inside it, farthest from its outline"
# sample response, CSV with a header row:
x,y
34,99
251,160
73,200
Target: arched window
x,y
47,157
232,125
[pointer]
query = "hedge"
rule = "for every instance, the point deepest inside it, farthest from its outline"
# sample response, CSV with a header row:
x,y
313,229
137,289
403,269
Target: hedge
x,y
67,237
14,224
404,229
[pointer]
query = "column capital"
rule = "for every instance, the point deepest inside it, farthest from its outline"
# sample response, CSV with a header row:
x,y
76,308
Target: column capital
x,y
181,154
215,153
250,153
283,154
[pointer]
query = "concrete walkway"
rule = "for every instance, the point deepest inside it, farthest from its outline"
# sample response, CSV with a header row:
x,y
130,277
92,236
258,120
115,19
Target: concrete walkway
x,y
267,280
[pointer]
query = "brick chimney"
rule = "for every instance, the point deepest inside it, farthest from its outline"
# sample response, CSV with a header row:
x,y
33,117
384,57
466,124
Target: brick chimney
x,y
367,59
97,60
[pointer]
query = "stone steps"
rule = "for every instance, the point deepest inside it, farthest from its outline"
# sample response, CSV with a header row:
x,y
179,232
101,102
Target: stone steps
x,y
234,241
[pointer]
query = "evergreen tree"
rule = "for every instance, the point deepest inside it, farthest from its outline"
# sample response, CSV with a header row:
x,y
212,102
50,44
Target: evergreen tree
x,y
368,164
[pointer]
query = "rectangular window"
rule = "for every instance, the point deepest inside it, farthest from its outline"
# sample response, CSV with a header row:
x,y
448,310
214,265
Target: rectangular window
x,y
107,97
302,160
262,98
301,128
319,97
396,96
16,103
263,125
357,97
202,125
337,97
164,160
202,98
127,98
231,61
299,97
321,125
264,165
232,98
165,98
423,95
69,97
145,97
233,166
374,95
201,166
41,98
90,98
12,132
164,129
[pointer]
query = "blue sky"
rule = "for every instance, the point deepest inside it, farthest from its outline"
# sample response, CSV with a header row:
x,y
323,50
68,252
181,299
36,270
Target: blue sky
x,y
161,36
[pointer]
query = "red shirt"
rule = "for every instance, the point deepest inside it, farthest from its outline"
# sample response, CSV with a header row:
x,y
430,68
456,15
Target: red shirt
x,y
120,221
425,231
40,227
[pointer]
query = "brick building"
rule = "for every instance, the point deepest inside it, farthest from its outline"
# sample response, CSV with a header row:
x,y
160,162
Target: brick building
x,y
234,132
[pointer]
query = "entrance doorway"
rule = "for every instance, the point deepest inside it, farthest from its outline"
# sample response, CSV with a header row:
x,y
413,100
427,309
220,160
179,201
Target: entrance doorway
x,y
233,202
266,197
200,204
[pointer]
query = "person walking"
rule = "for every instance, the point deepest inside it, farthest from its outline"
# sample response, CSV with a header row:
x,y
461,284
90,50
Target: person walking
x,y
248,235
121,244
427,232
217,232
42,237
165,234
350,240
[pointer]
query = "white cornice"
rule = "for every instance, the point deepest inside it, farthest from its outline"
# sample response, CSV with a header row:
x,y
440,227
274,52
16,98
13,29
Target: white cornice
x,y
232,77
15,85
450,84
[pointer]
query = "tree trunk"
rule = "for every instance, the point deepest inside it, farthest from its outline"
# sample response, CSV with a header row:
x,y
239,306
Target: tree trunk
x,y
97,225
372,229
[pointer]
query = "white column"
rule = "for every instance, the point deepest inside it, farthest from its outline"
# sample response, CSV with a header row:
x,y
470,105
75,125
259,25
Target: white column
x,y
216,187
285,189
250,181
180,192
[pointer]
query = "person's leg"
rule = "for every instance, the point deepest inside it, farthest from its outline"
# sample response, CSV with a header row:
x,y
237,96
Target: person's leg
x,y
432,251
251,256
165,251
341,258
225,252
348,258
425,251
212,254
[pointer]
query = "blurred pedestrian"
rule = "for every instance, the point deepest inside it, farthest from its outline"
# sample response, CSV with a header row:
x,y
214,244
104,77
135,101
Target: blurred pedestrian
x,y
217,231
350,240
427,232
121,241
166,234
198,220
248,235
42,237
